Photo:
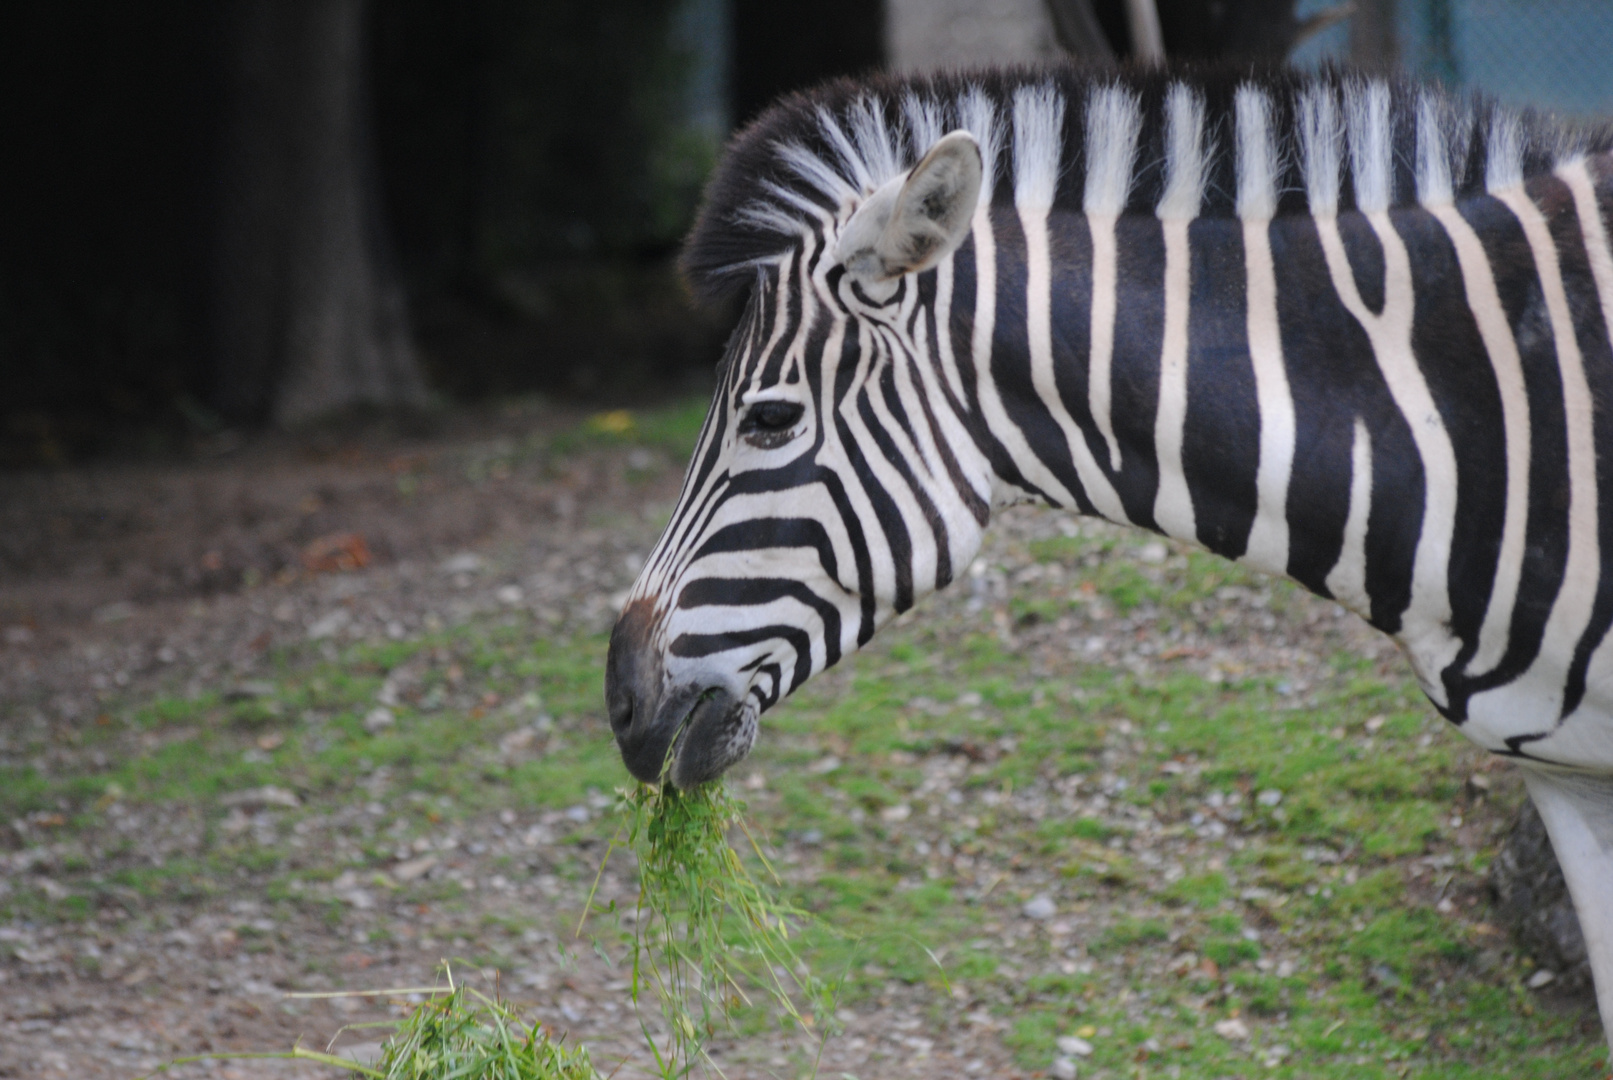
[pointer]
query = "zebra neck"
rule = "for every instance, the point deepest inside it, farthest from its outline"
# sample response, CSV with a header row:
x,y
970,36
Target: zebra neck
x,y
1360,401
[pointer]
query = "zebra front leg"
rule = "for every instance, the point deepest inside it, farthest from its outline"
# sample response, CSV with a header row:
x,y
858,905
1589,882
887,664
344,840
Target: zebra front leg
x,y
1578,812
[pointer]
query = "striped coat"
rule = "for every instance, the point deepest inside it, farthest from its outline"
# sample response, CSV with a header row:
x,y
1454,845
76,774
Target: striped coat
x,y
1345,330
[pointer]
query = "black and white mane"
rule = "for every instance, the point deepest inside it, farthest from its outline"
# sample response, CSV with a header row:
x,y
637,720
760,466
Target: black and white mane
x,y
1104,138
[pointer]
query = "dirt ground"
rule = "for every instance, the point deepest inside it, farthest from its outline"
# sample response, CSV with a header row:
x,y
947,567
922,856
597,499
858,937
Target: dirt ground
x,y
171,576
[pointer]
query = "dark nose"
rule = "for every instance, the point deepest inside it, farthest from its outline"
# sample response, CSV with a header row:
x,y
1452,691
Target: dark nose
x,y
633,692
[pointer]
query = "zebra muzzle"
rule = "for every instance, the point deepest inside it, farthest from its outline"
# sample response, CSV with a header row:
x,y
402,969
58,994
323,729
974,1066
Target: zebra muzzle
x,y
687,734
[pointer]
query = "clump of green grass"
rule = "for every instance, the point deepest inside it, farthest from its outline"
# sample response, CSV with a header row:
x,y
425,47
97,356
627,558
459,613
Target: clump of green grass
x,y
708,933
458,1034
465,1033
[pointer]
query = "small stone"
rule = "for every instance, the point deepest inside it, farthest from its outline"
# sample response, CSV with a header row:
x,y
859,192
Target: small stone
x,y
510,595
260,797
1039,908
1478,784
1152,552
893,814
1542,978
1375,724
329,625
1074,1046
379,719
1232,1029
1269,797
414,868
1063,1068
463,563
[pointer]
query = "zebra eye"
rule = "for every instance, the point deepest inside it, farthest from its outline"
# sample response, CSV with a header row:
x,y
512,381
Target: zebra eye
x,y
767,421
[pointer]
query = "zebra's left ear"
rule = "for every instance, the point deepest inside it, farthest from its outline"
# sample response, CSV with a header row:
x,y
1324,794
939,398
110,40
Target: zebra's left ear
x,y
915,221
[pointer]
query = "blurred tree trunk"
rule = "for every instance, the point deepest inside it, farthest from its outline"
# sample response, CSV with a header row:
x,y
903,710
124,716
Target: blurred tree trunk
x,y
309,317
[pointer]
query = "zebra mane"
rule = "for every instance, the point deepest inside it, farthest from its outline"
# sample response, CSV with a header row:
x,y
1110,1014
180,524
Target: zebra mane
x,y
1182,142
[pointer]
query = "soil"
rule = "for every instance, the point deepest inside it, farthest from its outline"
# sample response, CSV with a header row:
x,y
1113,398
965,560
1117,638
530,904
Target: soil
x,y
173,575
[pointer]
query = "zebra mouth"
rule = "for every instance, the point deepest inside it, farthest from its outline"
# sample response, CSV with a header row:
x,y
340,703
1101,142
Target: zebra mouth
x,y
715,734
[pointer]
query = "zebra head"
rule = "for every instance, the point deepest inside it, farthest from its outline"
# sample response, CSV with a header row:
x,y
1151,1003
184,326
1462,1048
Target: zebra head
x,y
834,483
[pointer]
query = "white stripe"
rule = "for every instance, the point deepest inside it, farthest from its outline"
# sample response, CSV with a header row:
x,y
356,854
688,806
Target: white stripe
x,y
1425,626
1528,701
1257,202
1257,157
1111,137
873,137
1173,502
925,123
962,528
863,178
1484,301
1184,154
1366,110
1321,143
1112,124
978,115
1347,581
1184,194
1039,331
991,405
1038,145
1503,167
1433,161
1572,609
1268,537
945,283
1101,327
1576,174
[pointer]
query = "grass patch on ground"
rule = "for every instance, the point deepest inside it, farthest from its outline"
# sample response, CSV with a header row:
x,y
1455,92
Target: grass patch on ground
x,y
1386,985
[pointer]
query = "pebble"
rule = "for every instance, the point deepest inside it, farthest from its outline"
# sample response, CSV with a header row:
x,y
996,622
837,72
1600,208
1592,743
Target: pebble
x,y
1232,1029
1074,1046
1063,1068
1040,907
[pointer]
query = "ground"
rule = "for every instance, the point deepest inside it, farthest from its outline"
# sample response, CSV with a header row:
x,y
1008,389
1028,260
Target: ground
x,y
315,714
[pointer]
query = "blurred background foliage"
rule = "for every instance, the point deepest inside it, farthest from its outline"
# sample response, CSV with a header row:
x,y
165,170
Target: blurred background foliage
x,y
532,167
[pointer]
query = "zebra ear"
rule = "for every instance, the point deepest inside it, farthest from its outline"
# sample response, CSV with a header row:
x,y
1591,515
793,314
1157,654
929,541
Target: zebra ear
x,y
915,221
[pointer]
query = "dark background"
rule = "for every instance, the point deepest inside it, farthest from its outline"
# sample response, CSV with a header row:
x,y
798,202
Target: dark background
x,y
528,161
500,184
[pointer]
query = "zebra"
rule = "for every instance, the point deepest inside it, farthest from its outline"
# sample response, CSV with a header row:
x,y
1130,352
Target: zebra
x,y
1346,329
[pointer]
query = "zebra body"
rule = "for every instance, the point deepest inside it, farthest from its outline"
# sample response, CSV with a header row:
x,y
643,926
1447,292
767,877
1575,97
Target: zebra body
x,y
1338,329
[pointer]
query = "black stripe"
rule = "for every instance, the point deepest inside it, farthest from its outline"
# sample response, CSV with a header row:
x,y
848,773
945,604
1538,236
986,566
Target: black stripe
x,y
754,592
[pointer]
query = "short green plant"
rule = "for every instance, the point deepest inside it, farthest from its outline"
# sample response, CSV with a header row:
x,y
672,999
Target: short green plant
x,y
465,1033
458,1034
706,930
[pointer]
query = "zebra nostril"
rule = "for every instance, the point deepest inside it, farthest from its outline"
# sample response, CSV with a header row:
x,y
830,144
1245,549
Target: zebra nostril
x,y
621,715
630,676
